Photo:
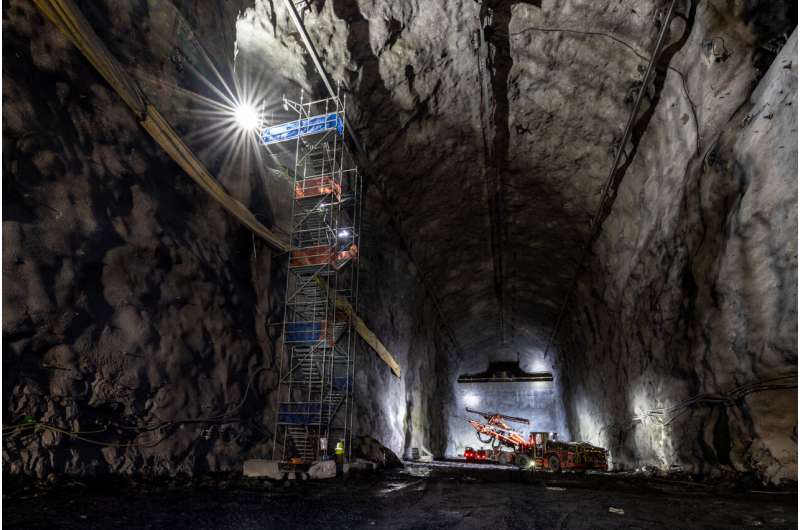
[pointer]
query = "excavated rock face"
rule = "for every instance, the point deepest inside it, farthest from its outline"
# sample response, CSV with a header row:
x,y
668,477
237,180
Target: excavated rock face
x,y
130,300
692,288
489,130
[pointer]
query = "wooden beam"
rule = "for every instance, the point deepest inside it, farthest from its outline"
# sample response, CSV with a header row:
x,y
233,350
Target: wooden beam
x,y
342,304
375,343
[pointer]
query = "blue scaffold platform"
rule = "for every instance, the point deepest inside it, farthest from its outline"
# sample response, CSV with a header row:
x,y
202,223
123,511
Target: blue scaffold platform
x,y
304,127
305,413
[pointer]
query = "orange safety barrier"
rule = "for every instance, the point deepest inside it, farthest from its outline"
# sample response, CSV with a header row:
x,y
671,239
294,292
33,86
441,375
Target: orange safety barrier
x,y
317,186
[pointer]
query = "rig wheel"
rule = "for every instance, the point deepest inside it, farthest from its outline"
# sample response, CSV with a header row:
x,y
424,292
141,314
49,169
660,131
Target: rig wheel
x,y
523,462
554,463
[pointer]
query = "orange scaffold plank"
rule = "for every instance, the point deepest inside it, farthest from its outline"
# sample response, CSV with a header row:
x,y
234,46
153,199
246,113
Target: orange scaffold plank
x,y
312,256
317,187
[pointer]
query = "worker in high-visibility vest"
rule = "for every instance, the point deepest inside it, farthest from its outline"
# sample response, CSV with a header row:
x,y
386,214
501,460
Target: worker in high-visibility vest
x,y
339,455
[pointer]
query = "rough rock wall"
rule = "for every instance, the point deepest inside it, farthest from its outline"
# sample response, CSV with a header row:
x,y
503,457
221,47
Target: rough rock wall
x,y
406,412
133,305
131,301
692,287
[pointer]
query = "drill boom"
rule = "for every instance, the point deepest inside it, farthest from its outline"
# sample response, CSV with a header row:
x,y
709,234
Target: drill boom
x,y
490,415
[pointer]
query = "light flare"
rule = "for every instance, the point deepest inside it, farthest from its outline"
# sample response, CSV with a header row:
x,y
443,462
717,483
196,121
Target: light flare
x,y
247,117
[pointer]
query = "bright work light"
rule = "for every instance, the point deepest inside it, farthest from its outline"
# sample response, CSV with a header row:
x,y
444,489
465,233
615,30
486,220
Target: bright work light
x,y
246,116
471,400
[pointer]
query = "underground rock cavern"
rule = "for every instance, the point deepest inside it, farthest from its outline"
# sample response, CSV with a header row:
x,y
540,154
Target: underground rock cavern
x,y
400,264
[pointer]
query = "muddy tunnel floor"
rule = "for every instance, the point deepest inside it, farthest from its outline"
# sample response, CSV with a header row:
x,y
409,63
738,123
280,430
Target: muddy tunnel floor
x,y
440,495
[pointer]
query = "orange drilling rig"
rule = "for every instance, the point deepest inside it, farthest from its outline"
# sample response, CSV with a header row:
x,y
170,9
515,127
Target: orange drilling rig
x,y
539,450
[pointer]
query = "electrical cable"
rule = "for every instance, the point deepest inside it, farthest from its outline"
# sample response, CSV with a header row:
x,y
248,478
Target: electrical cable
x,y
596,223
78,435
777,383
666,415
578,32
640,55
481,440
34,424
224,417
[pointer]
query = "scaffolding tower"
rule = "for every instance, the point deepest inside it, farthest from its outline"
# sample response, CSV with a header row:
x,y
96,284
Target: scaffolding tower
x,y
315,391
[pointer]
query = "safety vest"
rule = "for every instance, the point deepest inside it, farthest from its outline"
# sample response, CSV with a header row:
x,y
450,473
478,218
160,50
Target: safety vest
x,y
339,448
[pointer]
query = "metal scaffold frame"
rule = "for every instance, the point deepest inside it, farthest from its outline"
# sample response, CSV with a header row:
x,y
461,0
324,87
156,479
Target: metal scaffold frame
x,y
317,365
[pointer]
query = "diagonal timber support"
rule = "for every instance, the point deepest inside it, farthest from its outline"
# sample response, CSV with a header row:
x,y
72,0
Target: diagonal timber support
x,y
361,327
